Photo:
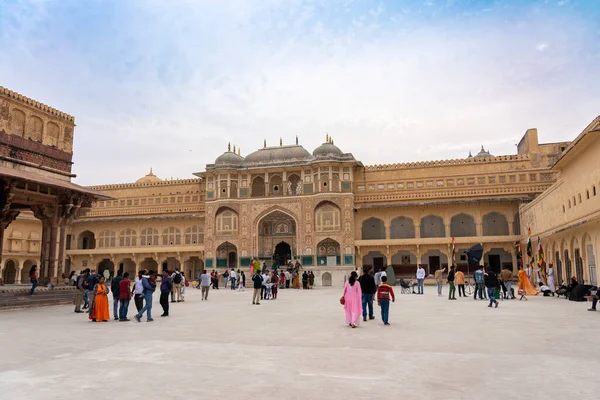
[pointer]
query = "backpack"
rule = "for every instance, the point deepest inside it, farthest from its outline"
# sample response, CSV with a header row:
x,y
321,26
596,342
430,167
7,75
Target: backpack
x,y
177,278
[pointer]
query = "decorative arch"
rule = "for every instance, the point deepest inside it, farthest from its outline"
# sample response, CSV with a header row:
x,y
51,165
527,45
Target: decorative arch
x,y
328,248
327,217
294,185
52,134
274,226
226,221
227,255
402,228
432,226
272,209
107,239
149,237
276,185
128,238
17,122
86,240
587,248
9,272
171,236
326,279
373,229
35,130
495,224
463,225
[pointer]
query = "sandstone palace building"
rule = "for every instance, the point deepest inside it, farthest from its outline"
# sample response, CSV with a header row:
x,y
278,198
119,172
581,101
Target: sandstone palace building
x,y
321,206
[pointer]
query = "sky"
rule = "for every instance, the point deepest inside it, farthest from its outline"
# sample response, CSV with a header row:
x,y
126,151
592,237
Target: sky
x,y
168,84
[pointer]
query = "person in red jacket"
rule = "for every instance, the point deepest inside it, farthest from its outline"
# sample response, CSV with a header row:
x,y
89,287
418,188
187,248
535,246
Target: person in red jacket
x,y
385,293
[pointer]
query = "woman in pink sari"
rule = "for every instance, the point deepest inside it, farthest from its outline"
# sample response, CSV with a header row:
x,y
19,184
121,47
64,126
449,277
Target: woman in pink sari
x,y
353,300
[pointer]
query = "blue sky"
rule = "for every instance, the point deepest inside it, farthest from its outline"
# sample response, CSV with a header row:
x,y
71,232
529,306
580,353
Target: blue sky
x,y
167,84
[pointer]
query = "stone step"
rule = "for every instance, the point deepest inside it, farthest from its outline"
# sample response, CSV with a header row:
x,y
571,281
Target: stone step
x,y
22,299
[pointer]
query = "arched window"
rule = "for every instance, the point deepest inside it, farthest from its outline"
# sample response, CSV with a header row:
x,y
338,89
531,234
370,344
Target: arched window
x,y
402,228
432,226
276,185
171,237
258,187
463,225
372,229
107,239
294,185
17,122
194,235
227,222
35,130
327,218
52,132
128,238
149,237
495,224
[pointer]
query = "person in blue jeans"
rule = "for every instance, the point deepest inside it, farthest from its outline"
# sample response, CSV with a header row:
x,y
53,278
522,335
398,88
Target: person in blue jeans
x,y
491,283
33,278
368,288
420,278
385,293
149,285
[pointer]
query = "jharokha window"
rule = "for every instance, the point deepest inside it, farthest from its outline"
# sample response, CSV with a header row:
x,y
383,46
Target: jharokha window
x,y
128,238
107,239
171,237
327,218
227,222
194,235
149,237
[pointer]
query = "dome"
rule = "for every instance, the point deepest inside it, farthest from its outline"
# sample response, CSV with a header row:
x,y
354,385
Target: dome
x,y
327,149
229,158
149,178
483,153
278,154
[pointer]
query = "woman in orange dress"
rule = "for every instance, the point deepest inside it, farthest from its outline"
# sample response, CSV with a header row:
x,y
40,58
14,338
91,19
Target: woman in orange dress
x,y
100,311
525,286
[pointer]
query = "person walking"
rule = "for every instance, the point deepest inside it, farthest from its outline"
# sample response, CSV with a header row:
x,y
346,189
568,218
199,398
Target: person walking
x,y
311,280
491,283
506,276
124,297
257,279
205,279
80,291
352,300
33,278
138,291
305,280
225,278
198,279
550,279
115,289
242,283
479,277
459,280
288,277
232,278
385,293
368,289
265,280
166,286
149,288
177,279
452,290
183,285
92,281
99,309
275,284
439,280
420,278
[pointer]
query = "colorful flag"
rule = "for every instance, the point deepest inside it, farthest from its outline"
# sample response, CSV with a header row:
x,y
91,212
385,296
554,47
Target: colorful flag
x,y
529,248
541,260
519,253
453,251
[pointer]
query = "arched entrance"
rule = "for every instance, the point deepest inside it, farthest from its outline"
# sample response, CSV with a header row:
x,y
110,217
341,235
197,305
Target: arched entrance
x,y
227,255
328,253
282,254
127,265
9,274
149,264
273,229
192,266
25,270
326,279
106,264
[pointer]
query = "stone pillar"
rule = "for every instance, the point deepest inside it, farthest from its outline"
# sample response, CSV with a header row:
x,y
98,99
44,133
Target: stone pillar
x,y
418,231
61,249
448,230
511,230
53,247
19,272
515,262
284,189
479,227
418,256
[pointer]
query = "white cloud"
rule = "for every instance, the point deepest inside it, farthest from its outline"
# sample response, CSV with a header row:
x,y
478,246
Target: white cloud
x,y
185,80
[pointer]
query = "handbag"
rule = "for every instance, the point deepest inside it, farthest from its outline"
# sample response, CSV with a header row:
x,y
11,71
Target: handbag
x,y
342,300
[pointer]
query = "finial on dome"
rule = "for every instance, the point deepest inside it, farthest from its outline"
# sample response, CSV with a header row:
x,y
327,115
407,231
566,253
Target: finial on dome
x,y
239,152
327,138
281,141
331,141
470,155
296,139
150,171
265,143
482,149
234,148
229,146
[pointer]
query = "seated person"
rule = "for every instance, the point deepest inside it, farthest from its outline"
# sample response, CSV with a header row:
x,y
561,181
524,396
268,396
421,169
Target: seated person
x,y
546,291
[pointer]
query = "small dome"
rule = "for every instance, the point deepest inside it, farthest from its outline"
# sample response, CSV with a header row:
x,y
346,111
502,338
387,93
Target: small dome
x,y
278,154
327,149
229,158
483,153
149,178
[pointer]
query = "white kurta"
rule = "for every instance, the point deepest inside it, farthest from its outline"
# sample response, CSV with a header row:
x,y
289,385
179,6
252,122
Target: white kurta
x,y
550,279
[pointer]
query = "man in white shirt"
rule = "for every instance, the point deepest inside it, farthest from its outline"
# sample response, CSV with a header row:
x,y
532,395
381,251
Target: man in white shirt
x,y
177,279
232,278
265,280
138,291
204,284
420,278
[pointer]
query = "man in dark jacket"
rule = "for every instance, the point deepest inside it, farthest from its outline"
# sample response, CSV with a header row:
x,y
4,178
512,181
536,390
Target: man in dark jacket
x,y
80,291
491,283
258,284
92,281
368,288
115,289
452,291
166,286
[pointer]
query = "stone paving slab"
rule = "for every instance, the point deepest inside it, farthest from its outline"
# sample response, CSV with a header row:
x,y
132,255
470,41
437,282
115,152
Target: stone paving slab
x,y
298,347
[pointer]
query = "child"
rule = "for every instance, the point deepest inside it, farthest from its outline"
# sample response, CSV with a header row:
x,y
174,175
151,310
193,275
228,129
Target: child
x,y
384,293
268,291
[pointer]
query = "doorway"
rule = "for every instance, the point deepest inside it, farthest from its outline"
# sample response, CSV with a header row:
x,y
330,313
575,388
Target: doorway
x,y
494,260
434,264
378,263
232,259
283,253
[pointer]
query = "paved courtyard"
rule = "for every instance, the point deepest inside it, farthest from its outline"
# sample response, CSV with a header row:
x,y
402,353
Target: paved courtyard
x,y
298,347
